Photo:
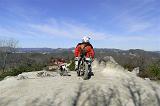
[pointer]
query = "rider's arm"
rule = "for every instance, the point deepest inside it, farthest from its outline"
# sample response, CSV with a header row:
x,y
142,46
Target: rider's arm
x,y
92,53
76,51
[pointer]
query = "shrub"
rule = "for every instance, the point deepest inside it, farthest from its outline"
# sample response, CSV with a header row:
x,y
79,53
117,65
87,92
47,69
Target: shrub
x,y
154,71
20,69
130,67
72,66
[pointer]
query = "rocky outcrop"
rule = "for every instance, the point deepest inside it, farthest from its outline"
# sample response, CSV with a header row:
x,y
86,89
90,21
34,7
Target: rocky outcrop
x,y
111,85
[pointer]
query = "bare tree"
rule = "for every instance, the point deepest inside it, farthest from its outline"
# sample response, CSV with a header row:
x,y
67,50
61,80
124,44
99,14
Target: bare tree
x,y
7,47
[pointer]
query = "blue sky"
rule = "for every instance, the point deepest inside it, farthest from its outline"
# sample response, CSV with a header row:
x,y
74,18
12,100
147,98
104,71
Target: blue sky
x,y
121,24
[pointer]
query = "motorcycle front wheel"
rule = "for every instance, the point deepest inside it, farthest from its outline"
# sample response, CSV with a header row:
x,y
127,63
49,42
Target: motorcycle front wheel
x,y
86,75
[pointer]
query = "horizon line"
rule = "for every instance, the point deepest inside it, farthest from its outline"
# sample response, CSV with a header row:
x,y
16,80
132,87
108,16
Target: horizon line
x,y
94,48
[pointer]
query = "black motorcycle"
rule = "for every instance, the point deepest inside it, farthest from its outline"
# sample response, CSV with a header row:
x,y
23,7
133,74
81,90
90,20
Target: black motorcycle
x,y
63,70
84,67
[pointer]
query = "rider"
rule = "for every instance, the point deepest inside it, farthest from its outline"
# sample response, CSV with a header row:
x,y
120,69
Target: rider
x,y
84,48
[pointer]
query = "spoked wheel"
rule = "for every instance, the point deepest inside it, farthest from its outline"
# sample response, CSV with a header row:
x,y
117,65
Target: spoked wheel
x,y
78,73
86,75
63,72
83,70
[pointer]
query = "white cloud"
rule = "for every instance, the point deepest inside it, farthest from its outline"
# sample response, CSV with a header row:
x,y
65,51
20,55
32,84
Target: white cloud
x,y
133,25
66,29
135,38
133,15
52,28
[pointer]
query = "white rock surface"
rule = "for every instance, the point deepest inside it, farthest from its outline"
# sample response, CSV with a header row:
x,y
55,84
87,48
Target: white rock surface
x,y
112,85
135,71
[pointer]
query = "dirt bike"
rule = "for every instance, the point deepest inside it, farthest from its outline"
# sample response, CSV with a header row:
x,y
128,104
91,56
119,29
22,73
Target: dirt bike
x,y
63,70
84,67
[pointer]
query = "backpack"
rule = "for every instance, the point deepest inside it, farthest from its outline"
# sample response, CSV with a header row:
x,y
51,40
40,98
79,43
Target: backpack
x,y
83,50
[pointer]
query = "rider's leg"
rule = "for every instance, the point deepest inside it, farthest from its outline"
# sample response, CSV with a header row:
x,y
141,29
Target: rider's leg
x,y
76,63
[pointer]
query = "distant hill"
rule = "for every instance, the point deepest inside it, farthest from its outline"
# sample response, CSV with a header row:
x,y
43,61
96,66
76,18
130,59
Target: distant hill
x,y
157,51
41,50
127,58
131,52
26,50
121,56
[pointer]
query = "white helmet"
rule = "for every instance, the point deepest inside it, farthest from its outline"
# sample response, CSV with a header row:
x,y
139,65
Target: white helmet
x,y
85,39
